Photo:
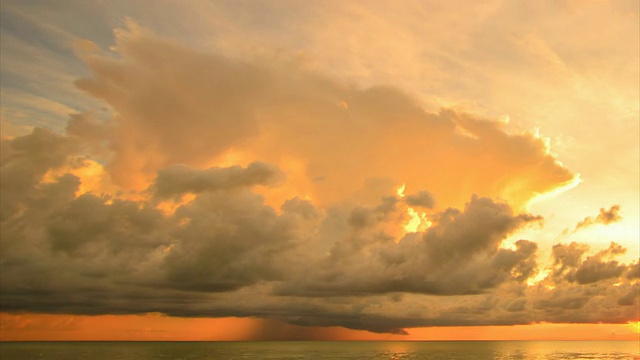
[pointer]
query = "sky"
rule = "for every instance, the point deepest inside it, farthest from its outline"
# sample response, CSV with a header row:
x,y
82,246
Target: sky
x,y
323,170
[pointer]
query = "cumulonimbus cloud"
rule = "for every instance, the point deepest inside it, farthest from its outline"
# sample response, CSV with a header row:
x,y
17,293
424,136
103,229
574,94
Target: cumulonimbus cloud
x,y
174,105
221,140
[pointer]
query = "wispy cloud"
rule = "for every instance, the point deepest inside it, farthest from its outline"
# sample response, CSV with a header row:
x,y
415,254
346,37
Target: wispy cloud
x,y
605,217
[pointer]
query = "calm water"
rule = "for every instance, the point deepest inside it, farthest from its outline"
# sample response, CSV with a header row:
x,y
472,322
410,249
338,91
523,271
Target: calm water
x,y
524,350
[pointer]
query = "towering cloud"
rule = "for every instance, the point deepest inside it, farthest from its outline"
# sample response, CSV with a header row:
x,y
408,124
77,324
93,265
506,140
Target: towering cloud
x,y
174,105
265,189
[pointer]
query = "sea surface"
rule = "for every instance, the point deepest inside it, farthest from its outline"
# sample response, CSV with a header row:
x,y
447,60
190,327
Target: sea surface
x,y
522,350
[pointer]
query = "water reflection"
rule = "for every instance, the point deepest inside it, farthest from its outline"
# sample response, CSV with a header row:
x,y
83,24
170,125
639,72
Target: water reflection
x,y
516,350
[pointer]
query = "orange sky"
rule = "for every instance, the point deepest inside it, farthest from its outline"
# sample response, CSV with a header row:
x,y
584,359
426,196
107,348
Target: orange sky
x,y
29,327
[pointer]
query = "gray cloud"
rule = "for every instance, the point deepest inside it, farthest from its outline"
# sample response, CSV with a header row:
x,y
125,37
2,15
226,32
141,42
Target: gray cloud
x,y
25,160
634,271
227,254
88,225
569,264
567,256
593,270
232,240
631,298
177,180
421,199
459,255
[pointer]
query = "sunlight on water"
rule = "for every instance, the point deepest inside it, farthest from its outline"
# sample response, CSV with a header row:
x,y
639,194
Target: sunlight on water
x,y
514,350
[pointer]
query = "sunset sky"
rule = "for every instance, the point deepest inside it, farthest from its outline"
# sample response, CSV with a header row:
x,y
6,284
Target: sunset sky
x,y
324,170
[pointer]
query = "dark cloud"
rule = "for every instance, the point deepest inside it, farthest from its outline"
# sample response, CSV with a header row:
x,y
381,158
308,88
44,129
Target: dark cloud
x,y
177,180
458,255
634,271
88,224
227,254
593,270
569,264
230,240
632,298
25,160
567,257
421,199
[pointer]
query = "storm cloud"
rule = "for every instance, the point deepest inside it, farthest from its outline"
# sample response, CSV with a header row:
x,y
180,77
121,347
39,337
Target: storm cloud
x,y
264,189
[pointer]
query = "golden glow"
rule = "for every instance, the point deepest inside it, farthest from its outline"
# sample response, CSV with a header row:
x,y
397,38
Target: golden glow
x,y
92,175
230,157
466,133
418,221
169,207
150,327
555,192
508,244
539,277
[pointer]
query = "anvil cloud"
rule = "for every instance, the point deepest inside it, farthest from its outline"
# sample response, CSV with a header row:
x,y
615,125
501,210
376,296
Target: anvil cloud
x,y
264,188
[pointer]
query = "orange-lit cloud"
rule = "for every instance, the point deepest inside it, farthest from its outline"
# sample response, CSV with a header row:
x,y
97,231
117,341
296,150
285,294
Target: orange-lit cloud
x,y
168,112
604,217
261,194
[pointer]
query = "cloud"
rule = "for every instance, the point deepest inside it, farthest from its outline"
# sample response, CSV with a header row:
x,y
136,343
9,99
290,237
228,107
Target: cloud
x,y
568,256
605,217
421,199
177,180
631,298
458,255
175,105
569,264
634,271
232,240
25,160
593,270
260,234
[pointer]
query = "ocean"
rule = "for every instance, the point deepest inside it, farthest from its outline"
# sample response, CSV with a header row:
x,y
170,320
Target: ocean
x,y
459,350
